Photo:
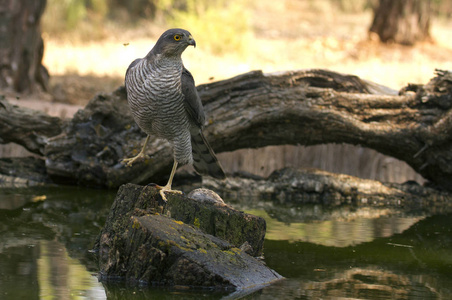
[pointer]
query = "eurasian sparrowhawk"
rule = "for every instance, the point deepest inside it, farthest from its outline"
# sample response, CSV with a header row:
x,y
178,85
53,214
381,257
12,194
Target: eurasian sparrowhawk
x,y
164,102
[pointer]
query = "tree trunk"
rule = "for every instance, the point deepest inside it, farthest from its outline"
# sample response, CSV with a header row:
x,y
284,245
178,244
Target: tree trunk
x,y
21,46
403,21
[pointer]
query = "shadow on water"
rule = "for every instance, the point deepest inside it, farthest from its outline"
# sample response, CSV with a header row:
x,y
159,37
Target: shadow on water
x,y
324,252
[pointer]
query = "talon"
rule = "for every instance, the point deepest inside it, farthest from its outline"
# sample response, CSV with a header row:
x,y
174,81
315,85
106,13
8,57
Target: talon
x,y
130,161
167,187
166,190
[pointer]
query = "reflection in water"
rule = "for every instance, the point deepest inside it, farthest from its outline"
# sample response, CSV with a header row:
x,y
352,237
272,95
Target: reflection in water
x,y
44,243
348,252
416,263
336,232
63,277
18,272
356,283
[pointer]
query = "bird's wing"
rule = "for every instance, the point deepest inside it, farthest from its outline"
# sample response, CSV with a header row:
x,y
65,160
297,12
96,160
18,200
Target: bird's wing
x,y
192,101
131,66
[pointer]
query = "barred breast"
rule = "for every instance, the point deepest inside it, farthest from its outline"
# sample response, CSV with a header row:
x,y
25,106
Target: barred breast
x,y
156,101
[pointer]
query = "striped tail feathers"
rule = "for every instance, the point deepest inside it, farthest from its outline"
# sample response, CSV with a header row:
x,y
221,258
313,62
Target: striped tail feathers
x,y
204,160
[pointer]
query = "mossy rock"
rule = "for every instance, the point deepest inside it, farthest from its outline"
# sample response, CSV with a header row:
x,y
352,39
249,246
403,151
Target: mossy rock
x,y
140,243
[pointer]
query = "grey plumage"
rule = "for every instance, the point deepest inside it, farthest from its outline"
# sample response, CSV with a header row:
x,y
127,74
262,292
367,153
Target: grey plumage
x,y
165,103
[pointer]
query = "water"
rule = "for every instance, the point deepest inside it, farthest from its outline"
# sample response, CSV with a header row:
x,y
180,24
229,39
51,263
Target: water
x,y
324,252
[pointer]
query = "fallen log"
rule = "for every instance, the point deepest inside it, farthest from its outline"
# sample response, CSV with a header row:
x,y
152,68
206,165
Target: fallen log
x,y
27,127
255,110
141,244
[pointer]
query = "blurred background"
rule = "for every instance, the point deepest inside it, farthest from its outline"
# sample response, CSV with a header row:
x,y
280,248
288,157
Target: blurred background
x,y
99,38
88,45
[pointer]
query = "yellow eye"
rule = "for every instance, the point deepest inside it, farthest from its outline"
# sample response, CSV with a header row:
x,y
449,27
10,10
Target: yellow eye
x,y
177,37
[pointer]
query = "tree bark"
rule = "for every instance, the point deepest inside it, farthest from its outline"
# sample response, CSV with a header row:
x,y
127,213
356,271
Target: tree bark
x,y
404,21
255,110
21,46
27,127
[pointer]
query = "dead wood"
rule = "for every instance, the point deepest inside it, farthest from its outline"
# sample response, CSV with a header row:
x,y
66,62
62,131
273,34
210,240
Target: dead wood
x,y
316,107
254,110
27,127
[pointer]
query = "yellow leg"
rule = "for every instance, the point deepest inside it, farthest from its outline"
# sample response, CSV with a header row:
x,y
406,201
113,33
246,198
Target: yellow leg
x,y
167,187
130,161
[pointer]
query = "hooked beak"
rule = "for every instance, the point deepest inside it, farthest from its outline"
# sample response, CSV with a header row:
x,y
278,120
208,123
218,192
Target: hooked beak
x,y
191,41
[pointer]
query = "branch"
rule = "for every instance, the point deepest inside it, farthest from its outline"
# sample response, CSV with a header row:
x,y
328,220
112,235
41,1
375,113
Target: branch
x,y
27,127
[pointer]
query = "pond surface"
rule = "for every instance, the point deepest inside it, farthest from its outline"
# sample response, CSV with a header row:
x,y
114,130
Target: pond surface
x,y
323,252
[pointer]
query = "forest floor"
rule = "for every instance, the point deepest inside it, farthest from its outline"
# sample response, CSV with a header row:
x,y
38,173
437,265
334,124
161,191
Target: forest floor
x,y
286,35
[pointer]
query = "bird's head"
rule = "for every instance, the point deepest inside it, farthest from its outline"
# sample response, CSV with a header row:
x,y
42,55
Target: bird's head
x,y
173,42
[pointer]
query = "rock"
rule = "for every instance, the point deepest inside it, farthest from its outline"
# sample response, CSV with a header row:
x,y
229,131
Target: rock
x,y
140,243
220,220
205,195
313,186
